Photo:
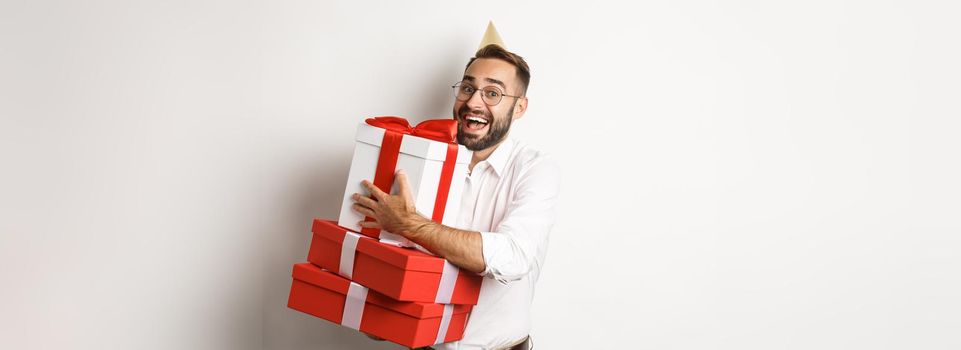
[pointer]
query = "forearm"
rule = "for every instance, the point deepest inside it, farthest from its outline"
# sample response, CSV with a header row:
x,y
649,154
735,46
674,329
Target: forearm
x,y
462,248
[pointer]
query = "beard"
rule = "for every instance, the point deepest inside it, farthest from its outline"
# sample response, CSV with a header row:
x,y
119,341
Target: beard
x,y
496,131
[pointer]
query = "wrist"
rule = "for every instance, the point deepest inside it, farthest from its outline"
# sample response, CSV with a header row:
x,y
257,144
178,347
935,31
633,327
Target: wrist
x,y
416,227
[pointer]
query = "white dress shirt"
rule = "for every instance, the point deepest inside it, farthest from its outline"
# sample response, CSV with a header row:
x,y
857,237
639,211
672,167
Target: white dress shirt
x,y
510,198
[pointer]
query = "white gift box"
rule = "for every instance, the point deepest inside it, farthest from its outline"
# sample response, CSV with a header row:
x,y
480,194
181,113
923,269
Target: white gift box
x,y
422,160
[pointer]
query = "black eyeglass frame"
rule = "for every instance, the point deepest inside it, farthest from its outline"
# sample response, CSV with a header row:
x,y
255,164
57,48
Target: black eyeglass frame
x,y
501,95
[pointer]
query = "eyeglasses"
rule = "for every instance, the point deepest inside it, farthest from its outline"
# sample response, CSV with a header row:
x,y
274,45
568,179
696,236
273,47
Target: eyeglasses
x,y
490,95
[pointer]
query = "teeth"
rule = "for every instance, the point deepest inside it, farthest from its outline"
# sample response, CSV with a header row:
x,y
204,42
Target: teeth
x,y
476,119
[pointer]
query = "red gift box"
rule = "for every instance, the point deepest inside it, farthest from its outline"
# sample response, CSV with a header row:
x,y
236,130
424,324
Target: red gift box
x,y
435,164
400,273
336,299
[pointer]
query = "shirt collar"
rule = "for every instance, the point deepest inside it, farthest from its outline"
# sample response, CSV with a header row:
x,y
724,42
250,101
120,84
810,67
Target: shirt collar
x,y
498,159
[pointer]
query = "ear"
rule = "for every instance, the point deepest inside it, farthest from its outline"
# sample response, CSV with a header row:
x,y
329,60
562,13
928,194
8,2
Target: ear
x,y
520,107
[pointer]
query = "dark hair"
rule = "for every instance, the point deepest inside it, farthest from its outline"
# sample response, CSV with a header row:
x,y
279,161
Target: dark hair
x,y
498,52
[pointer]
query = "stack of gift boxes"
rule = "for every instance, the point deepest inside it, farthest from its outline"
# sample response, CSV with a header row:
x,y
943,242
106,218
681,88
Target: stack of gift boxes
x,y
376,281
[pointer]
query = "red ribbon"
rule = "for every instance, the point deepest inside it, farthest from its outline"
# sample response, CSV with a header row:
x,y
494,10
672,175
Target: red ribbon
x,y
442,130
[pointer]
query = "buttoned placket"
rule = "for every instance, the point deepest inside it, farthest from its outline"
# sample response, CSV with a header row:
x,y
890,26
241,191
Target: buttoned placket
x,y
469,198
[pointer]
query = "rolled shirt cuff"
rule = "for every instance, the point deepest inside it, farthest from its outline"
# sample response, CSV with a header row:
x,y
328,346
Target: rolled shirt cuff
x,y
494,245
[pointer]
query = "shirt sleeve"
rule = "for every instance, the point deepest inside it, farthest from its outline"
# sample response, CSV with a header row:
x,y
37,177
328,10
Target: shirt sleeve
x,y
519,243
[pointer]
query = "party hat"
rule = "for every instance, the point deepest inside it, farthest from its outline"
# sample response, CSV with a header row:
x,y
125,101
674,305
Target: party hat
x,y
491,37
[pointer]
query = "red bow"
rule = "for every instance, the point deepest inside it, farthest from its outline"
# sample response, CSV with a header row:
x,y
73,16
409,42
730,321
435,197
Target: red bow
x,y
443,130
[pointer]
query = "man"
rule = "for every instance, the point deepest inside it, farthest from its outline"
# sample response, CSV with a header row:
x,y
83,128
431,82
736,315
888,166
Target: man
x,y
508,203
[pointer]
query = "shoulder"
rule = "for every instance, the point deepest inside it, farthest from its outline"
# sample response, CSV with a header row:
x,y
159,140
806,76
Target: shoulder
x,y
524,155
532,163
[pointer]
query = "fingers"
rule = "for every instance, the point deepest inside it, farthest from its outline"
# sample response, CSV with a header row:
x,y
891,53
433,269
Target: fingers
x,y
363,210
369,224
364,201
401,178
374,191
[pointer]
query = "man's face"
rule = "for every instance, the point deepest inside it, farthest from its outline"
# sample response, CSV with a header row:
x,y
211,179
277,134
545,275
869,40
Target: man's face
x,y
480,126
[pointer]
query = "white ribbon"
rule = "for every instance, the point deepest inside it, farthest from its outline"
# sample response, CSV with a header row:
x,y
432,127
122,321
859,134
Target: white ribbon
x,y
354,306
448,278
394,239
444,323
347,252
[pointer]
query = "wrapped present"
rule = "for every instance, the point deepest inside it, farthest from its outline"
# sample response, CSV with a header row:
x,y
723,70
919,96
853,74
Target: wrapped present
x,y
400,273
435,164
339,300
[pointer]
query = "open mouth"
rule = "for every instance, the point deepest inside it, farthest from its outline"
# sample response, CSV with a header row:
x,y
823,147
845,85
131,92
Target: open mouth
x,y
475,123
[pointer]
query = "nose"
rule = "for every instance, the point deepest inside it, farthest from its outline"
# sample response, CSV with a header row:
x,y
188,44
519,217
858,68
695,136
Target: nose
x,y
476,101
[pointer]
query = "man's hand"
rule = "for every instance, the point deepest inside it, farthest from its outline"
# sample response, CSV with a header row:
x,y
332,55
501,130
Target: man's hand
x,y
397,214
394,213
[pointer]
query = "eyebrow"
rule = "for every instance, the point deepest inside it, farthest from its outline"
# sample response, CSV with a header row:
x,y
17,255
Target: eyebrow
x,y
489,80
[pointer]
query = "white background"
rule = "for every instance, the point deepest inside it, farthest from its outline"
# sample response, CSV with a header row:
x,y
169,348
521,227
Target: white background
x,y
737,174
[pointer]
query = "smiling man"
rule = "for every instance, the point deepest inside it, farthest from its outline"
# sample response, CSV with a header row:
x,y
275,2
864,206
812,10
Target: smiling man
x,y
508,205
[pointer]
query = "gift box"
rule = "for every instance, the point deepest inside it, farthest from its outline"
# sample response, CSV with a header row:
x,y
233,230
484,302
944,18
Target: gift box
x,y
400,273
338,300
436,167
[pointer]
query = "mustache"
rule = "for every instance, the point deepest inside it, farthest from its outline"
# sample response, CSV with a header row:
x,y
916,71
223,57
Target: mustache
x,y
466,111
